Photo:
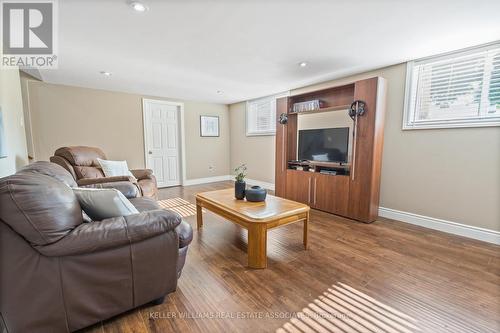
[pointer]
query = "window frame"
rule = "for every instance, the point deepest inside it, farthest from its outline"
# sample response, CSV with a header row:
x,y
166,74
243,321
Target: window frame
x,y
409,110
270,97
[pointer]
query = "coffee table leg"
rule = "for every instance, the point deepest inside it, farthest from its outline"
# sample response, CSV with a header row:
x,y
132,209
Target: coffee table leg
x,y
306,225
257,245
199,216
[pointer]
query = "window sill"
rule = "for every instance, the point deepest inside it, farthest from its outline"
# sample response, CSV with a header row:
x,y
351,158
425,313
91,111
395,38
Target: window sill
x,y
262,134
450,124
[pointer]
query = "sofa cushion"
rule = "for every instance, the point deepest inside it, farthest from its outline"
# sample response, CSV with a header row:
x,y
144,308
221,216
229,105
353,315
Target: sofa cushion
x,y
102,204
88,172
39,207
50,169
81,155
144,204
184,230
115,168
148,187
128,189
61,161
185,233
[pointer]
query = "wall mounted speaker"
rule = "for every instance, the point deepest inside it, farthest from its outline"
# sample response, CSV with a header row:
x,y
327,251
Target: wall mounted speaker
x,y
283,119
357,109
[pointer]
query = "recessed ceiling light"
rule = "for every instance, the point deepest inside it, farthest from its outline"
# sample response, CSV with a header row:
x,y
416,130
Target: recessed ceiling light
x,y
138,6
105,73
302,64
219,91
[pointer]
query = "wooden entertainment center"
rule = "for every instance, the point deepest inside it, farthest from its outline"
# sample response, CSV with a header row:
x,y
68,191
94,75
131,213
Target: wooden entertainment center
x,y
352,189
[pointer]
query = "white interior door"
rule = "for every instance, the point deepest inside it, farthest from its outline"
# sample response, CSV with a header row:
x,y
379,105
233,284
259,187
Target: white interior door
x,y
162,143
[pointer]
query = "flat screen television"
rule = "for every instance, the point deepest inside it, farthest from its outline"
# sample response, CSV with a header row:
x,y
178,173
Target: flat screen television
x,y
324,144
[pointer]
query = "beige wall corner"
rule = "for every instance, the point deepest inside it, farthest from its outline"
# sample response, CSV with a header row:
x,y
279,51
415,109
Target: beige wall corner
x,y
66,115
13,119
25,79
257,152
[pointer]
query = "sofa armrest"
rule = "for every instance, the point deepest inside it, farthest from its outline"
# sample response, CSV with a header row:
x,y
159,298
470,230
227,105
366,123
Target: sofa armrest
x,y
91,181
113,232
128,189
143,174
185,233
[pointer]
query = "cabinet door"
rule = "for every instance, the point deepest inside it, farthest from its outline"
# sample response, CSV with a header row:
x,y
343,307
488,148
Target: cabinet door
x,y
331,193
298,186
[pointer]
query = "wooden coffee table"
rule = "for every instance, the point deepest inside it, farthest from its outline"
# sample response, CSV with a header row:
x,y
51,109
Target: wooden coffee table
x,y
256,217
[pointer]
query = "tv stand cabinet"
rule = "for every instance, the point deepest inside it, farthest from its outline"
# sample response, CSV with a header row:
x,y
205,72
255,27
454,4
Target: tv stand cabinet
x,y
354,191
311,187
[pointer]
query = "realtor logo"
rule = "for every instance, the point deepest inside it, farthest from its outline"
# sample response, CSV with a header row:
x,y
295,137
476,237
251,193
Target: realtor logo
x,y
28,34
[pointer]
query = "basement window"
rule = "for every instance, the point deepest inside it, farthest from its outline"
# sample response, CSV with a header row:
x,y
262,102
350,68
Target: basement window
x,y
461,89
261,115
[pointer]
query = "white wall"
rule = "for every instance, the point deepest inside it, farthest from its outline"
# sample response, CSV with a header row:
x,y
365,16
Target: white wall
x,y
12,108
257,152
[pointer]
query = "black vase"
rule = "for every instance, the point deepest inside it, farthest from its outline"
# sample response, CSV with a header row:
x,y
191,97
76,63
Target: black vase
x,y
239,190
255,194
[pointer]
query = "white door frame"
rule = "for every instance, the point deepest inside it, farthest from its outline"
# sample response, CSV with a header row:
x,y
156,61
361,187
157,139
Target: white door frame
x,y
180,106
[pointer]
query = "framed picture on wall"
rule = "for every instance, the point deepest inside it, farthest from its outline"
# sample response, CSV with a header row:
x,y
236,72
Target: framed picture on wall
x,y
209,126
3,144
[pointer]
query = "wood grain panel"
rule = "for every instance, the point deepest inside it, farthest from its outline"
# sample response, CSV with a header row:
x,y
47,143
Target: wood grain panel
x,y
378,145
331,193
292,137
299,186
281,150
361,187
273,208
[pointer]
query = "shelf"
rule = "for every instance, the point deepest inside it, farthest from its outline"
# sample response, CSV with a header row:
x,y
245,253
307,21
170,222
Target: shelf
x,y
328,109
319,173
341,170
323,164
330,164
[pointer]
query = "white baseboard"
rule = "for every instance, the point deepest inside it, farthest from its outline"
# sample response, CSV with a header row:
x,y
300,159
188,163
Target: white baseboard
x,y
486,235
482,234
253,182
206,180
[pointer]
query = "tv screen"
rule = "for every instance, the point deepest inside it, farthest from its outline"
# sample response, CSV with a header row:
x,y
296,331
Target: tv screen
x,y
324,145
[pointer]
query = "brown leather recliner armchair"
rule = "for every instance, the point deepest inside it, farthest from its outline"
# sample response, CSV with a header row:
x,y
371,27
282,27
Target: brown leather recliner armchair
x,y
81,162
60,274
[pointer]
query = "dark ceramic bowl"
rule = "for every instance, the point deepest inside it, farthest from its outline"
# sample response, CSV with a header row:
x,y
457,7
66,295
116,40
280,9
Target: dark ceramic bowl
x,y
255,194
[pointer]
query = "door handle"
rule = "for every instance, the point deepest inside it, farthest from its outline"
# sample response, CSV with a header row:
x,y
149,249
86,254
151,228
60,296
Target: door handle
x,y
314,200
150,152
309,191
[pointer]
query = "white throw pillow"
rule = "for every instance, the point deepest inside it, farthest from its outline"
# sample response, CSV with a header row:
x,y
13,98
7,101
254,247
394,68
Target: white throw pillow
x,y
115,168
103,203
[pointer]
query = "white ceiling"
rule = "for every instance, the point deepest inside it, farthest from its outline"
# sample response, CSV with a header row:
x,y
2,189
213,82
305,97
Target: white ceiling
x,y
246,49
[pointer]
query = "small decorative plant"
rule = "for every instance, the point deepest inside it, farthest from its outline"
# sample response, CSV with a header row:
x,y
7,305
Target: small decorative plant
x,y
240,173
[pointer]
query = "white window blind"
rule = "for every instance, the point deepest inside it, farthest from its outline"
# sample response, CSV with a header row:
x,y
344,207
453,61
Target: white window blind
x,y
261,116
457,90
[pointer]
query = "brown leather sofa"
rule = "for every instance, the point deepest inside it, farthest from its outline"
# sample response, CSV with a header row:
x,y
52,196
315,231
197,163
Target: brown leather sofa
x,y
81,163
60,274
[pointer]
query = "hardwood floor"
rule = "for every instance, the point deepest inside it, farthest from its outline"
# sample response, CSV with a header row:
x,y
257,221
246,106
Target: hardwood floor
x,y
386,276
